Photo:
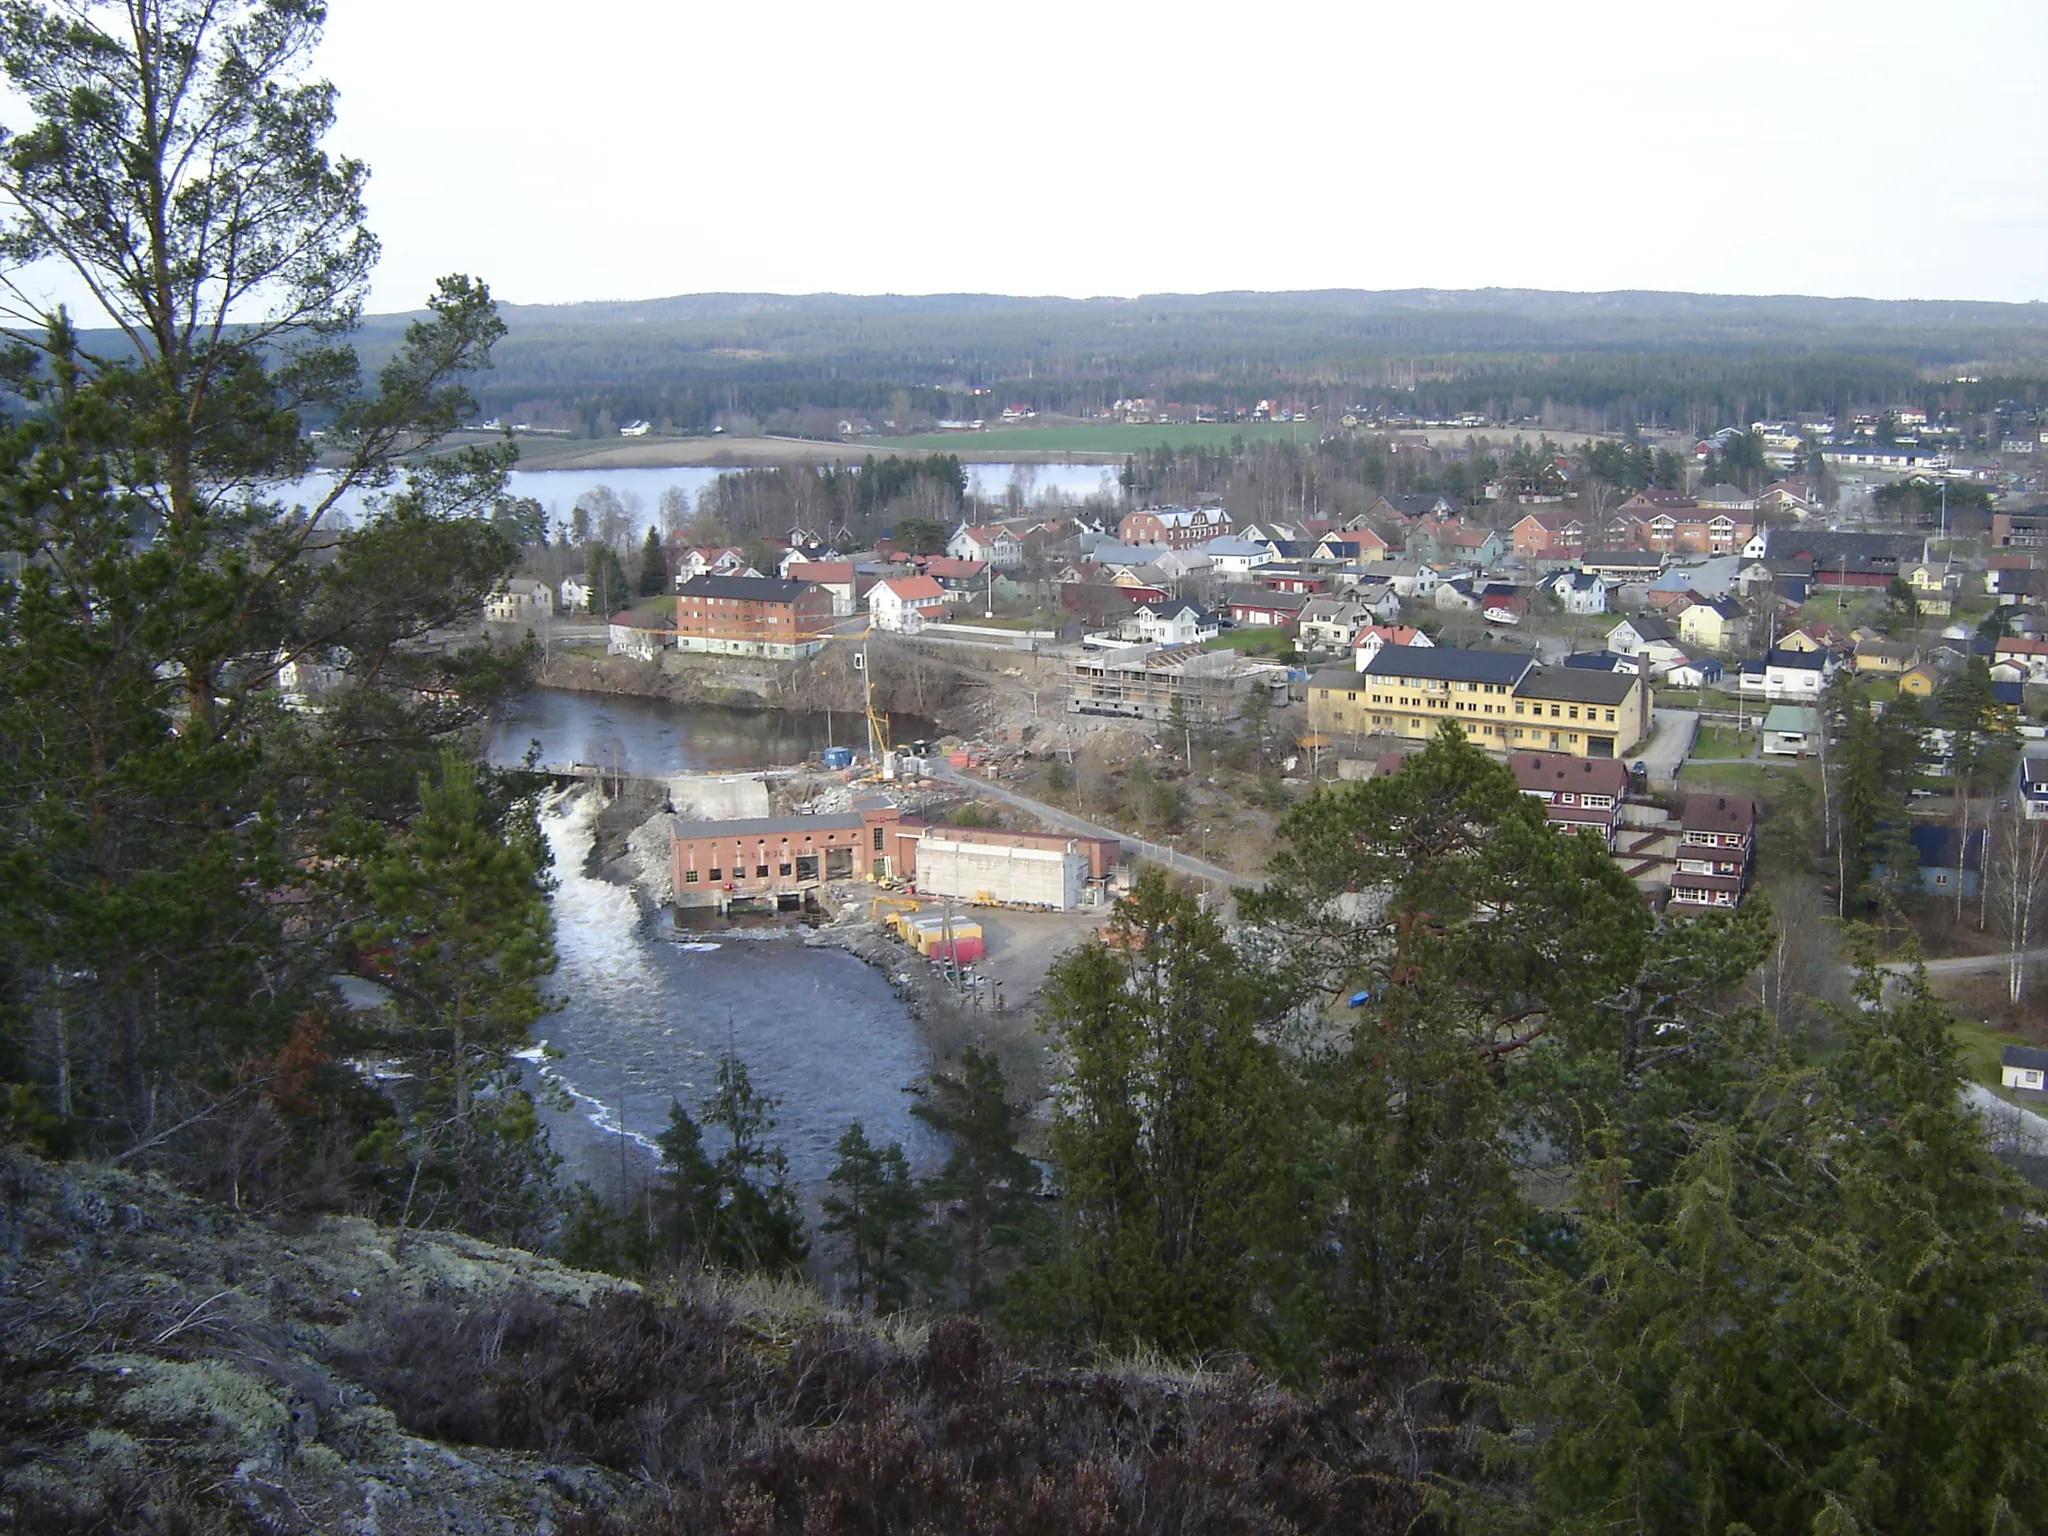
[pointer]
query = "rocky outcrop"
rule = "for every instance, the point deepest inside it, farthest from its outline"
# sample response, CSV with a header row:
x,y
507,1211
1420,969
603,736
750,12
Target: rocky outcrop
x,y
170,1366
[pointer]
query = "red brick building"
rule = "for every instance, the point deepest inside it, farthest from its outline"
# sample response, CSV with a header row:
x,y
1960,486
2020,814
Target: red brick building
x,y
752,616
1174,527
779,859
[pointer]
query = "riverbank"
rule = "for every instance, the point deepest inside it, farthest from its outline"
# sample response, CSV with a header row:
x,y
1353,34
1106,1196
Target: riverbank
x,y
916,692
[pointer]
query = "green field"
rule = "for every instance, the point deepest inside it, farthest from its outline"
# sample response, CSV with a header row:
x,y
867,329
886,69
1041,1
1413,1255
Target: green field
x,y
1720,741
1764,782
1262,642
1110,438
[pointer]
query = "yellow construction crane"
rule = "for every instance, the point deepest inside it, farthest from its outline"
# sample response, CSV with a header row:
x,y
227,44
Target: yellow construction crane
x,y
878,723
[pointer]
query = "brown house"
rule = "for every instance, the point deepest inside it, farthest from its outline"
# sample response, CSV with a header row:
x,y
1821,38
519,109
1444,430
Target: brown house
x,y
752,616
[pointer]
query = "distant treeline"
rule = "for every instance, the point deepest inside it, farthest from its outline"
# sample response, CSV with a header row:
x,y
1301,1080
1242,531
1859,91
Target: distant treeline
x,y
1613,360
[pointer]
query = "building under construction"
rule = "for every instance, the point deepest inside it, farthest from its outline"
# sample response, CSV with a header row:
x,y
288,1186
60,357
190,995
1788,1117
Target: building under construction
x,y
1142,682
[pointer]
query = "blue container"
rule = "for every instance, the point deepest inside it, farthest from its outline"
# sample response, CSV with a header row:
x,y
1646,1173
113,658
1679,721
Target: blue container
x,y
839,757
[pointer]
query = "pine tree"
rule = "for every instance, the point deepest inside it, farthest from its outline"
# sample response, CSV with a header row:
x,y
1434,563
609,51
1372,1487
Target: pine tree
x,y
462,914
1830,1320
1170,1139
756,1222
653,565
875,1208
986,1196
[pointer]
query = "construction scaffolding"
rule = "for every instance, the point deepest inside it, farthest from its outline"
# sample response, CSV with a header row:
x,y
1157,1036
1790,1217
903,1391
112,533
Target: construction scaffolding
x,y
1142,682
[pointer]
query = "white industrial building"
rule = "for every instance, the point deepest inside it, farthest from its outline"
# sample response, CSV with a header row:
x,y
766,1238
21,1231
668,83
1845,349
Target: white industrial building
x,y
1001,869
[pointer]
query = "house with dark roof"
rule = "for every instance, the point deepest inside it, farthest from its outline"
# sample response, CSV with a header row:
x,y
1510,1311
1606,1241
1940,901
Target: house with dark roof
x,y
2023,1068
1587,713
752,616
1264,608
1580,795
1716,851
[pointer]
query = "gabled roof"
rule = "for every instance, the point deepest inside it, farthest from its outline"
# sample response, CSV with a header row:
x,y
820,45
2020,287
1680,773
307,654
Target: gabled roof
x,y
1577,685
1936,846
1797,661
1648,627
916,589
1719,813
1554,772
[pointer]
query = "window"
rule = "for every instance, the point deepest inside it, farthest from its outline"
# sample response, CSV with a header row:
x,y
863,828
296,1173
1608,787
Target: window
x,y
1940,878
717,873
1610,717
760,871
878,839
782,869
690,876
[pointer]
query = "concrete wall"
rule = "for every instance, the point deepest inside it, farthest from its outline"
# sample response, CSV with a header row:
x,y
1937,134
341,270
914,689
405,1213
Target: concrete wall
x,y
1038,877
719,797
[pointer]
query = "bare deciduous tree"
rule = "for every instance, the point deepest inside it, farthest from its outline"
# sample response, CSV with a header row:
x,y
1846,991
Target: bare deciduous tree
x,y
2018,894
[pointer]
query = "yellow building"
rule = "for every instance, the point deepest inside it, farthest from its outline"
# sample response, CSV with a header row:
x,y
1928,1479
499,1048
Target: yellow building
x,y
1718,624
1920,681
1503,702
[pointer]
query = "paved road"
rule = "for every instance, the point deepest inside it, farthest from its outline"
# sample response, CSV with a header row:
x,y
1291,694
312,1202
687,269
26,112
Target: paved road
x,y
1178,860
1671,734
1964,963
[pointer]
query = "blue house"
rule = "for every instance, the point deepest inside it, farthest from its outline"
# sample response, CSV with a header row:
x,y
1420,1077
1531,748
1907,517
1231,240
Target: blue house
x,y
1940,869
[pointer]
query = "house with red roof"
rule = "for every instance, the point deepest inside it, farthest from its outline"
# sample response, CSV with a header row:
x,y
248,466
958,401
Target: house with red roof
x,y
905,604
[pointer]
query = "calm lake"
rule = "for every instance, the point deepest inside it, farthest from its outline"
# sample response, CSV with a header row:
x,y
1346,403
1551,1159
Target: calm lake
x,y
641,489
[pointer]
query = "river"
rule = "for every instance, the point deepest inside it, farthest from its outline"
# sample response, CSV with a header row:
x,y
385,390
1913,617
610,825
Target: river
x,y
645,1017
641,489
646,1012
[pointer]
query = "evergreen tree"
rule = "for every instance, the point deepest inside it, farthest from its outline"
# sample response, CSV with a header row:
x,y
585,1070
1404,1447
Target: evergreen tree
x,y
653,565
607,577
737,1210
986,1196
462,915
874,1206
1832,1319
1170,1138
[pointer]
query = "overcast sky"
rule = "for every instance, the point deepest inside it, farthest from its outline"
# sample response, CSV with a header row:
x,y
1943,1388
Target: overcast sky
x,y
625,149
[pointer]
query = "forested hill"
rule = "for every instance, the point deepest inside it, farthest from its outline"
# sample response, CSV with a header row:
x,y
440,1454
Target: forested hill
x,y
1652,355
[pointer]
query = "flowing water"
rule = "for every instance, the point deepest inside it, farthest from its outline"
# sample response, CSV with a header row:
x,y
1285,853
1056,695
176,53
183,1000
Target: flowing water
x,y
646,1015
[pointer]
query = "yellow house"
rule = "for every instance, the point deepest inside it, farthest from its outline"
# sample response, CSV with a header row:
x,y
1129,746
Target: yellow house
x,y
1800,640
1886,658
1717,625
1504,703
1919,680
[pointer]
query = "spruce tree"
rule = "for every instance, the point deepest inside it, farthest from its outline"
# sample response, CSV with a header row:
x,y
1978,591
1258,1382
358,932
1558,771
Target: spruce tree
x,y
986,1196
653,565
874,1206
1831,1319
1171,1137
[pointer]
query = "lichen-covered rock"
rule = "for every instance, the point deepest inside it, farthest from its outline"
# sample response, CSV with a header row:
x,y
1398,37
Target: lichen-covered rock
x,y
161,1359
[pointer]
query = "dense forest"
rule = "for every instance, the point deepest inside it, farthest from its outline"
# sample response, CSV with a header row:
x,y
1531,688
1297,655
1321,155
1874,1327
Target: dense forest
x,y
1446,1187
1689,361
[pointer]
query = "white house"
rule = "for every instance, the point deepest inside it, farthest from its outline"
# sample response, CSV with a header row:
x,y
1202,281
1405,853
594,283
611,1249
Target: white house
x,y
1648,637
1411,579
992,543
1377,598
1330,622
1371,637
519,602
624,637
1230,556
1579,591
575,594
905,604
1175,622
